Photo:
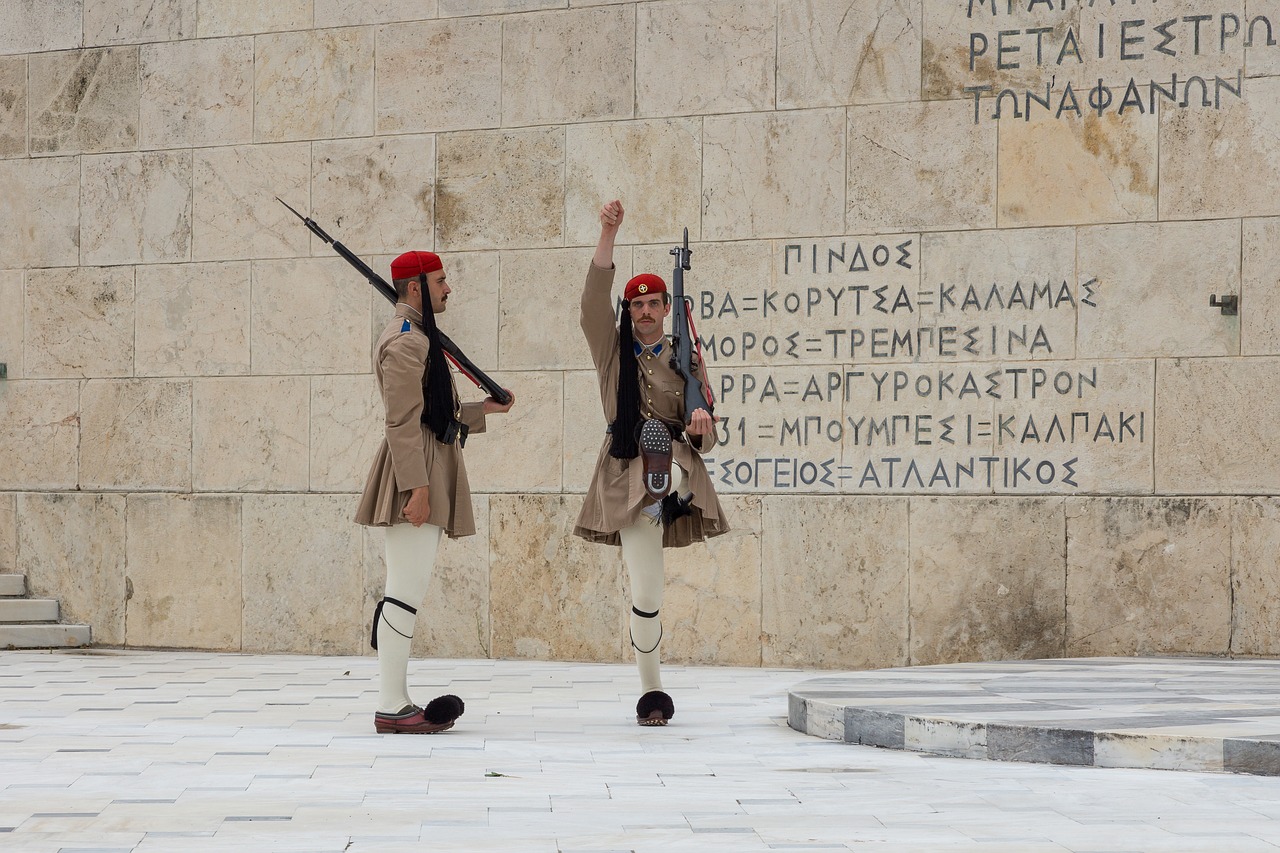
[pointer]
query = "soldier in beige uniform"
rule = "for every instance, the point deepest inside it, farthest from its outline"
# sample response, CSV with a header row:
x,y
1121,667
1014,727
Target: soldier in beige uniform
x,y
417,487
619,510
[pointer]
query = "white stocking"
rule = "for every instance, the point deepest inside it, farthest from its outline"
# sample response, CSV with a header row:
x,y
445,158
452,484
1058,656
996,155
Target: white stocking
x,y
411,555
642,554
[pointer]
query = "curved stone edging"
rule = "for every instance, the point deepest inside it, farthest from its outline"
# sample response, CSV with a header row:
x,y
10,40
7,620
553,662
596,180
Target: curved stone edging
x,y
1203,714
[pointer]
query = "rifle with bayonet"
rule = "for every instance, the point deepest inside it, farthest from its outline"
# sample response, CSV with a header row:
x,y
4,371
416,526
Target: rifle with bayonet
x,y
451,351
696,395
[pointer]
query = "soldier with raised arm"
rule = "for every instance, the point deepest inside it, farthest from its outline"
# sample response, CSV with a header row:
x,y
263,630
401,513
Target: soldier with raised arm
x,y
650,488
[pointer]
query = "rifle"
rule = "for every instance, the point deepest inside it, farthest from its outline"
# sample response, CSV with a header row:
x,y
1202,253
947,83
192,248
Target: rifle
x,y
696,396
451,351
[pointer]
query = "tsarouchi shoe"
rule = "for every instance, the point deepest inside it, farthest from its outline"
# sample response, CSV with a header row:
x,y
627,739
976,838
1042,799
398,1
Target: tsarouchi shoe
x,y
655,450
655,708
439,715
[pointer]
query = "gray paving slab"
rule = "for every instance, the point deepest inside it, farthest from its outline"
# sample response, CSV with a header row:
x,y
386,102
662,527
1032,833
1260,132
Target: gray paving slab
x,y
177,751
1205,714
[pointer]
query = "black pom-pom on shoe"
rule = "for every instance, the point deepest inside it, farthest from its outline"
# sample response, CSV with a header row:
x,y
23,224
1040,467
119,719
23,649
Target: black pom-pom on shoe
x,y
444,709
655,708
675,507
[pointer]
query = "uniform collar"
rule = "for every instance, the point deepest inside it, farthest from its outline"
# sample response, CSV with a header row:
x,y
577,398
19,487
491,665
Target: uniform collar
x,y
407,311
656,349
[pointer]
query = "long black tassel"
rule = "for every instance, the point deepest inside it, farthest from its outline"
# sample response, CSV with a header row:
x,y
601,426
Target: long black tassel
x,y
626,427
437,392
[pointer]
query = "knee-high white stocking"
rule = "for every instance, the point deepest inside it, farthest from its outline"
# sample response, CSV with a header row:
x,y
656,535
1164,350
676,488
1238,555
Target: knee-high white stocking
x,y
642,554
411,555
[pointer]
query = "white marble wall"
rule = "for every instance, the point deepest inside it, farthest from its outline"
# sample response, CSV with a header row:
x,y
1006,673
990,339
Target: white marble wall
x,y
976,403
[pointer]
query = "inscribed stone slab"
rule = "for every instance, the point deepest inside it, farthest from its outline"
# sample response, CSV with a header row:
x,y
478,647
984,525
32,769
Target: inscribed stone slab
x,y
13,106
97,303
235,213
551,74
920,166
347,425
502,189
135,434
134,21
828,599
1148,576
1200,48
192,319
316,84
1153,277
1011,278
73,549
1055,172
302,575
727,56
1260,287
1216,421
85,100
520,451
136,207
250,434
711,602
454,619
439,75
33,26
374,196
9,534
41,215
351,13
11,321
772,174
528,342
553,596
1082,425
833,53
197,93
1255,576
988,579
1222,162
179,545
626,160
235,17
324,333
39,434
955,58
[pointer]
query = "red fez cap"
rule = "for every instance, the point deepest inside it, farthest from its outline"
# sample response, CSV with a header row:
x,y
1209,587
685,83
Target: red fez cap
x,y
410,264
644,283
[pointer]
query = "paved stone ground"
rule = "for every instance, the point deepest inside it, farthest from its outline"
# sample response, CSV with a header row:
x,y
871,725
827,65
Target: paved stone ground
x,y
1163,713
163,751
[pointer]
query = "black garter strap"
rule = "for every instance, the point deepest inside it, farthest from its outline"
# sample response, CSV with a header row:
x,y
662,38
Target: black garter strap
x,y
377,614
637,611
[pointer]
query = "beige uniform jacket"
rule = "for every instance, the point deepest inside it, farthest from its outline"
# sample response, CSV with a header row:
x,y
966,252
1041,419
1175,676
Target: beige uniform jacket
x,y
410,456
617,494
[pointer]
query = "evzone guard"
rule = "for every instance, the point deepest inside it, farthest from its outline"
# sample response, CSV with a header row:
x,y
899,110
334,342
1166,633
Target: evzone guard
x,y
650,488
417,487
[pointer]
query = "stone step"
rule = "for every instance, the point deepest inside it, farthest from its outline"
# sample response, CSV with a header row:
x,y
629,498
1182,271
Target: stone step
x,y
11,585
14,610
43,636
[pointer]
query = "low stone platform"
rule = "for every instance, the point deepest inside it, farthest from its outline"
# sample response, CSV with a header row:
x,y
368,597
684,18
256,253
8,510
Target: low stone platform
x,y
1160,713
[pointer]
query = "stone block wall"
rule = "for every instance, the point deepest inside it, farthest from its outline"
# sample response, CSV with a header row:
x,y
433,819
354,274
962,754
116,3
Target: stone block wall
x,y
952,272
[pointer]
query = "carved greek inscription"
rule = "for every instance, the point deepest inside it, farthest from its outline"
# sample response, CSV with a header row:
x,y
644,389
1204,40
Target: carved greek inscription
x,y
847,377
1047,37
